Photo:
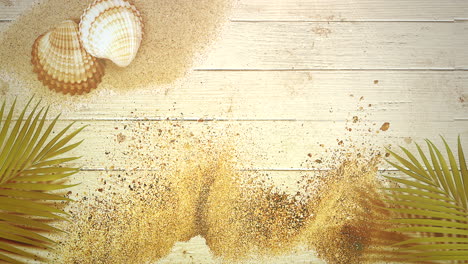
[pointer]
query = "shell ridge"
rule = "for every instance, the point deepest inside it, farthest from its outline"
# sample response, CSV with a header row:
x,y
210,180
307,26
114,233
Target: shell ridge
x,y
61,62
112,29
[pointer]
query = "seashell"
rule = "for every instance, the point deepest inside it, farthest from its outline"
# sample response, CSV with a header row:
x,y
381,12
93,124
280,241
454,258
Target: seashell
x,y
62,63
112,29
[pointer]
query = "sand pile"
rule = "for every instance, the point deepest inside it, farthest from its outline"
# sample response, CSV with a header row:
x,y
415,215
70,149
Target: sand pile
x,y
176,33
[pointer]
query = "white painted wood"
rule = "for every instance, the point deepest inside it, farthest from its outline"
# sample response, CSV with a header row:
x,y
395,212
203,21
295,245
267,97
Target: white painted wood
x,y
337,46
319,10
461,40
274,95
350,10
360,45
270,145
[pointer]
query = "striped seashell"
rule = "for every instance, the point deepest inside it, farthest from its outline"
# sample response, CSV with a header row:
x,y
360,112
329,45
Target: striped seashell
x,y
112,29
62,63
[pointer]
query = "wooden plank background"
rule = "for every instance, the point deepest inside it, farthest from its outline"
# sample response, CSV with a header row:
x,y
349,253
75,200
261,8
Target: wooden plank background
x,y
292,73
319,10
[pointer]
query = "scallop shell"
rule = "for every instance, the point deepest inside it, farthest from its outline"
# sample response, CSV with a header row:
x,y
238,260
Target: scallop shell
x,y
62,63
112,29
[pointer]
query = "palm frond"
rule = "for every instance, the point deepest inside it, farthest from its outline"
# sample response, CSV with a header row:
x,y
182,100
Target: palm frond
x,y
431,204
29,170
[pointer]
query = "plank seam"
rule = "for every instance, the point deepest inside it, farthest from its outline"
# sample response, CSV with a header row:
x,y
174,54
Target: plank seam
x,y
338,69
323,21
342,21
201,120
239,169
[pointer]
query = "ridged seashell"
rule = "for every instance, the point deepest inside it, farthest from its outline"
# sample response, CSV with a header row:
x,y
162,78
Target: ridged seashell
x,y
62,63
112,29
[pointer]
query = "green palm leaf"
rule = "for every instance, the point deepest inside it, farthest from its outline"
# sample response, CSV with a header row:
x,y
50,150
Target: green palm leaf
x,y
431,204
29,170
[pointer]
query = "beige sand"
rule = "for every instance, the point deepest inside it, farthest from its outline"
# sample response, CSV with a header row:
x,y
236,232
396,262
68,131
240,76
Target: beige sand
x,y
198,191
176,33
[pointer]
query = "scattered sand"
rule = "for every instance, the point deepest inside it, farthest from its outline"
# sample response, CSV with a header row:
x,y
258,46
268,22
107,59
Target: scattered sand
x,y
136,216
246,216
123,228
385,126
238,215
196,190
176,33
349,226
3,87
180,181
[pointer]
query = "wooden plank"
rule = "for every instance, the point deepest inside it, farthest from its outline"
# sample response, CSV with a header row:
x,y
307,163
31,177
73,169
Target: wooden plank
x,y
335,46
461,95
318,10
270,95
350,10
269,145
364,45
461,40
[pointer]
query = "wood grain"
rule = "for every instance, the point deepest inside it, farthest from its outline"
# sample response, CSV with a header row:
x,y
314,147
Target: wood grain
x,y
334,46
319,10
272,145
461,41
350,10
338,46
257,101
277,95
